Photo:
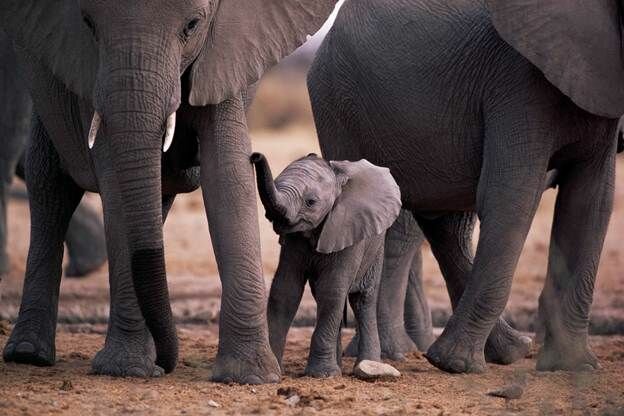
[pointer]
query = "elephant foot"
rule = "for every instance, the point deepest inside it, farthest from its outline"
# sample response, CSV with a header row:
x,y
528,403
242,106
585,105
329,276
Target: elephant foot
x,y
31,342
82,266
259,368
454,352
505,345
421,338
127,354
322,369
572,357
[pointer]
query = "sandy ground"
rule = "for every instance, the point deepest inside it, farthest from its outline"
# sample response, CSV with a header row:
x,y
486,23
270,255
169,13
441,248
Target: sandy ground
x,y
68,389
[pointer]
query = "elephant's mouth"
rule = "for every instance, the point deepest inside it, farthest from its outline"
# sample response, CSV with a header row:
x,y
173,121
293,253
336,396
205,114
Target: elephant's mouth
x,y
301,225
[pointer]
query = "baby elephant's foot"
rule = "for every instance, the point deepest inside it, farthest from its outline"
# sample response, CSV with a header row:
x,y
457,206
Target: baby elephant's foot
x,y
127,355
505,345
31,342
456,354
576,357
322,369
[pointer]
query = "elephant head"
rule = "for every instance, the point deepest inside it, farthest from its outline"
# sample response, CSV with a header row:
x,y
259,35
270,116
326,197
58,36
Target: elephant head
x,y
346,201
127,59
577,44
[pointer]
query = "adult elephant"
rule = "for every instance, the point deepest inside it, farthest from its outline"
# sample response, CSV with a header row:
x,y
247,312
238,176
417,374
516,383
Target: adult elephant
x,y
85,236
113,86
470,106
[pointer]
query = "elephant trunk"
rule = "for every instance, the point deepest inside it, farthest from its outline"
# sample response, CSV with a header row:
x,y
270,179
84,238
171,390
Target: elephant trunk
x,y
135,124
269,195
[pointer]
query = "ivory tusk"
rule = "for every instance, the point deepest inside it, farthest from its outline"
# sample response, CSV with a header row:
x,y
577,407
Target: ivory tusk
x,y
95,126
171,125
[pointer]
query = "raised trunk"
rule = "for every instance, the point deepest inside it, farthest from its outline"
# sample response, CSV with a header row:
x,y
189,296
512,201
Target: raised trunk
x,y
275,210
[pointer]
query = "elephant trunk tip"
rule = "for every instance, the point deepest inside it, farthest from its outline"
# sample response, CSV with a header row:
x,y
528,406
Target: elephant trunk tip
x,y
256,158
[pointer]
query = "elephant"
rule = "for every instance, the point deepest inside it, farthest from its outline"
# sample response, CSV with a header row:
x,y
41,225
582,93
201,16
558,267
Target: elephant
x,y
139,102
470,104
331,217
85,235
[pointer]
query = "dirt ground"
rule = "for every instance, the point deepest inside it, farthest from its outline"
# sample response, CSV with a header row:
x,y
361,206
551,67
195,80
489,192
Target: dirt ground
x,y
68,389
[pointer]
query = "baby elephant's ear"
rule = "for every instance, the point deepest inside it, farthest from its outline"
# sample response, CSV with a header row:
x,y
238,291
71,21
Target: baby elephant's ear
x,y
368,205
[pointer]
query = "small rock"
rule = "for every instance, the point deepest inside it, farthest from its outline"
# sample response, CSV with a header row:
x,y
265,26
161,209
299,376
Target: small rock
x,y
340,387
212,403
67,385
367,370
149,395
287,391
513,391
293,400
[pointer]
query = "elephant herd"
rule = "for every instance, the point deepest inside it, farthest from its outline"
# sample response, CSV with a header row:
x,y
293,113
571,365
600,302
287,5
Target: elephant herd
x,y
470,108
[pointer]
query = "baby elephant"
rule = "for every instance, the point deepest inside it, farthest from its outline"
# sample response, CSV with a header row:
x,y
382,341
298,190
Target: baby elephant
x,y
331,218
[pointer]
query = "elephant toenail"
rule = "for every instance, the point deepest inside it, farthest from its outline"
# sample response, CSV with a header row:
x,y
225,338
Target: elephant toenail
x,y
457,365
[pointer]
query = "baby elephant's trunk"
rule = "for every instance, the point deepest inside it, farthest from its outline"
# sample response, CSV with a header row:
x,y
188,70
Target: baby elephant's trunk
x,y
269,195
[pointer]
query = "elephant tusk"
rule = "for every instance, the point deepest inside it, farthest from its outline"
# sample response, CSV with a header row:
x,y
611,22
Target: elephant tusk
x,y
171,125
95,126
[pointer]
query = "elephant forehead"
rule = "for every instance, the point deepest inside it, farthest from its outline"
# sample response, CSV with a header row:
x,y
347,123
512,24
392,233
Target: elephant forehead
x,y
307,171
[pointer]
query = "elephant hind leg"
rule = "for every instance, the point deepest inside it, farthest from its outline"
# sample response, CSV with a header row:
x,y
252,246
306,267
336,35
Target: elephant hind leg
x,y
53,198
85,242
582,212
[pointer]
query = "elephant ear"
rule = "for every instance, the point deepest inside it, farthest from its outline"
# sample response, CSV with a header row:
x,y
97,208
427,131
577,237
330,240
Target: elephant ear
x,y
53,32
576,44
247,37
369,203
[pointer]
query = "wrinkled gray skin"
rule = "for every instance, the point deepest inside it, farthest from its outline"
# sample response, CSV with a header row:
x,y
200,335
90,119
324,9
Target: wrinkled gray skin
x,y
136,64
466,123
85,235
407,327
300,203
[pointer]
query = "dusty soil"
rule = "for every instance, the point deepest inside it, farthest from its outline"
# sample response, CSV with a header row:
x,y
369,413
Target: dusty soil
x,y
68,389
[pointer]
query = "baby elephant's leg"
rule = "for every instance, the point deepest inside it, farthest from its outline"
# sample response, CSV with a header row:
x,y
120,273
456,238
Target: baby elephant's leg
x,y
330,292
364,304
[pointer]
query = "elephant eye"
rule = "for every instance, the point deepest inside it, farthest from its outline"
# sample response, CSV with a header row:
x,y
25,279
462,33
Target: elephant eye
x,y
191,26
310,202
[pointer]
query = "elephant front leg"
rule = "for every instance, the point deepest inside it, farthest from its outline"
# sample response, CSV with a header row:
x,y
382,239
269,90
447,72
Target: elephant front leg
x,y
509,190
53,198
284,299
582,212
450,237
228,187
129,348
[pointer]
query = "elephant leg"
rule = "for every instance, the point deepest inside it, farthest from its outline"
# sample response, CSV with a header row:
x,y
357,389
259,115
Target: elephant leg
x,y
228,186
53,198
416,310
402,246
450,237
129,348
582,212
508,193
322,361
364,304
284,298
85,241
